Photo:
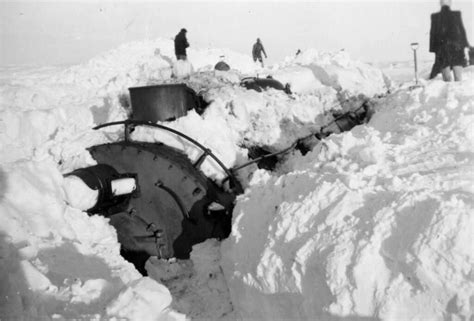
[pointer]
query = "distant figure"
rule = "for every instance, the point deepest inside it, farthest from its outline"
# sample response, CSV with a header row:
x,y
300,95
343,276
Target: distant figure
x,y
257,51
448,41
298,52
180,45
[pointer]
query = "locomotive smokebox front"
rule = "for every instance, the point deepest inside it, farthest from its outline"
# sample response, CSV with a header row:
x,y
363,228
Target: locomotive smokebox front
x,y
168,204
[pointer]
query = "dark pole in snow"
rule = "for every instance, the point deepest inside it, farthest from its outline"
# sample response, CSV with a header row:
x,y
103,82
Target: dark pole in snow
x,y
414,46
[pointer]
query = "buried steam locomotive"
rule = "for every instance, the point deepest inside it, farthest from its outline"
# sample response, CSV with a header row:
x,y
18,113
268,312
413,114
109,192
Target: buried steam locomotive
x,y
157,199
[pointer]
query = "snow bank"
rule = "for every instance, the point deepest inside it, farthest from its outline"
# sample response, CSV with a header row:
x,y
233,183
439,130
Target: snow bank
x,y
301,79
56,261
340,72
375,223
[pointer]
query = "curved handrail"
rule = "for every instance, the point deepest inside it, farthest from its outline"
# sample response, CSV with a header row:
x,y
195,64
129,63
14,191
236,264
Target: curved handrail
x,y
206,151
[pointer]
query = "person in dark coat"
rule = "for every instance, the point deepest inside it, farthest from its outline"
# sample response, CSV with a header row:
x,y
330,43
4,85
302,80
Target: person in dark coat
x,y
257,50
448,41
180,45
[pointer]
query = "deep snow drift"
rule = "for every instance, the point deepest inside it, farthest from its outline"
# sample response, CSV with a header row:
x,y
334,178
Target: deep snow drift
x,y
372,223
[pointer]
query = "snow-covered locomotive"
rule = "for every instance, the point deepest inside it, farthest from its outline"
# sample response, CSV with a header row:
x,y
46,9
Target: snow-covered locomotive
x,y
159,201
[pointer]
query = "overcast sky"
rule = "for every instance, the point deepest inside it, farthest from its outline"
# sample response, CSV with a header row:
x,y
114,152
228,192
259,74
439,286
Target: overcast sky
x,y
45,33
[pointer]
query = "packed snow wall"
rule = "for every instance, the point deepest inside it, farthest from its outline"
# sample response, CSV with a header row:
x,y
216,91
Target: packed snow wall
x,y
375,223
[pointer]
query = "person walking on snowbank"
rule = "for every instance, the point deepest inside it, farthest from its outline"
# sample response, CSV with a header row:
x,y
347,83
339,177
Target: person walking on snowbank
x,y
448,41
180,45
257,51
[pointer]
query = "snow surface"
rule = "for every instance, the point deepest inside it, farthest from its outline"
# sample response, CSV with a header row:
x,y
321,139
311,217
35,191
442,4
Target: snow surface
x,y
375,223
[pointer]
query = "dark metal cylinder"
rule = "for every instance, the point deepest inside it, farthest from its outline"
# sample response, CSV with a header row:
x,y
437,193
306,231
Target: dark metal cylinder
x,y
162,102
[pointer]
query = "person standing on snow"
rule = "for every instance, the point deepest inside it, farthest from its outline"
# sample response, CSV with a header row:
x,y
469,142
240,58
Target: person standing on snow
x,y
257,51
180,45
448,41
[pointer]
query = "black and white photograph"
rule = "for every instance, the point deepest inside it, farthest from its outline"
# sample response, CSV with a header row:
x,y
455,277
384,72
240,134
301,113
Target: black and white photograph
x,y
237,160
